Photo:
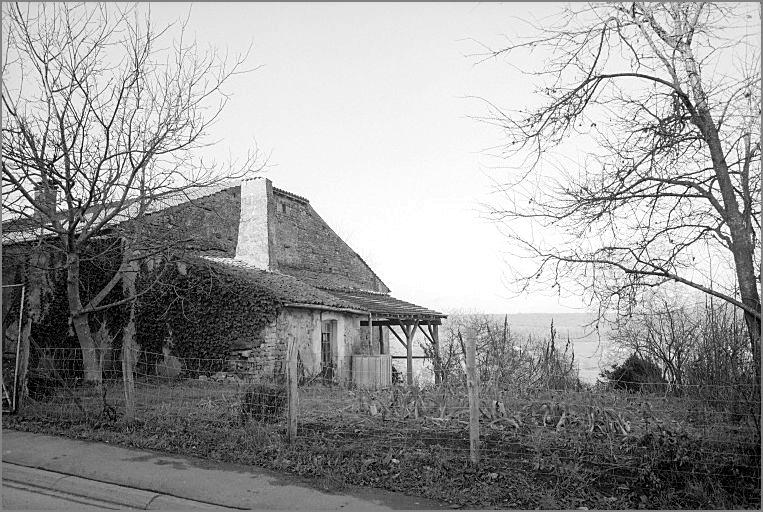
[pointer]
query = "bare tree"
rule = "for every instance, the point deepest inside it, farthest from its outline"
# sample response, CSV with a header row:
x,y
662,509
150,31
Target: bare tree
x,y
665,332
662,100
102,119
692,343
507,361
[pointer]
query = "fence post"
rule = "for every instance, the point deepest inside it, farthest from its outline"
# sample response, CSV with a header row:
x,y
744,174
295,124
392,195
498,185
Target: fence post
x,y
474,401
291,387
128,366
128,343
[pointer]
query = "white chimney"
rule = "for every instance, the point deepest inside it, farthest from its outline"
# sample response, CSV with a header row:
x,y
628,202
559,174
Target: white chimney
x,y
255,228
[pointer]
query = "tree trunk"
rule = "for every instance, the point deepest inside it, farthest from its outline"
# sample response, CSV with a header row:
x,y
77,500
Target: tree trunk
x,y
748,288
91,360
741,233
22,391
36,281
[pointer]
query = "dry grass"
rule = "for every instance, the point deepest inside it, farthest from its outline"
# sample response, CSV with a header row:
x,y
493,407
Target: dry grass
x,y
678,452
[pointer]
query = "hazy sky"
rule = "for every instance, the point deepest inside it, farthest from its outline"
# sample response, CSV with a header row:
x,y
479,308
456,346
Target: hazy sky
x,y
363,109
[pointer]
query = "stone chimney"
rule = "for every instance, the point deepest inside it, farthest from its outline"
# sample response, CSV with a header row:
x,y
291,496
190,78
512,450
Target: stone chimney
x,y
46,198
255,229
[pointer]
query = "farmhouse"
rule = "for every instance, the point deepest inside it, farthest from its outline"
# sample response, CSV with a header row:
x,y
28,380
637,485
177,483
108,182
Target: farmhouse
x,y
331,303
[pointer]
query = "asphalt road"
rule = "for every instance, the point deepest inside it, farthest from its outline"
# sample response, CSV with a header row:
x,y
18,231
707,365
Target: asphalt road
x,y
154,480
18,496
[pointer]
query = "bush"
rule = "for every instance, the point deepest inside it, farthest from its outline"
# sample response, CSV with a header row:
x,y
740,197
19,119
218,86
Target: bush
x,y
263,402
636,374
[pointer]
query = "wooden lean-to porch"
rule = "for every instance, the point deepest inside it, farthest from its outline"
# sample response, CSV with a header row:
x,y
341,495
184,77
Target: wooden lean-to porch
x,y
403,320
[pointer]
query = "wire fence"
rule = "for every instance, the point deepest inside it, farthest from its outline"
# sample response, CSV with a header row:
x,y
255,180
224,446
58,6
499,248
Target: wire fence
x,y
662,436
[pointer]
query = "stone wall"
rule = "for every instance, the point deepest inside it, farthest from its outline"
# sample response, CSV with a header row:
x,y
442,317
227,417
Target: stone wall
x,y
306,247
208,225
267,353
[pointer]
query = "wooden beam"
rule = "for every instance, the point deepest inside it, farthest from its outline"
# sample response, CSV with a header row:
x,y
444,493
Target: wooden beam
x,y
427,336
381,320
398,337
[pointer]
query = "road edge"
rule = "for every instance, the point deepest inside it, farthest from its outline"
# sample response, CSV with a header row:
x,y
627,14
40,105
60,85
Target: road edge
x,y
106,492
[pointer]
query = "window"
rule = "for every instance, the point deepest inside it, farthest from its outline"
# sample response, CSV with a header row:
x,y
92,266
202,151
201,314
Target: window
x,y
328,335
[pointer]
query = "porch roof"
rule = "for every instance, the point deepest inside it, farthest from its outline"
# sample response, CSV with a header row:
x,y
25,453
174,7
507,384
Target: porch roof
x,y
385,306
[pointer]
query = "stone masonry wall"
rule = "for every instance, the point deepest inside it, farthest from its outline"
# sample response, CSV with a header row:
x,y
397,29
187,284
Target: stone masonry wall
x,y
305,246
267,354
208,225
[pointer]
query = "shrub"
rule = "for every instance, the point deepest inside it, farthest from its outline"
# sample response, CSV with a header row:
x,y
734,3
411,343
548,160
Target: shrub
x,y
263,402
636,374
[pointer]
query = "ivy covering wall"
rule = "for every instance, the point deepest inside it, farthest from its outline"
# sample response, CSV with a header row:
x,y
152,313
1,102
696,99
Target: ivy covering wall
x,y
51,336
201,310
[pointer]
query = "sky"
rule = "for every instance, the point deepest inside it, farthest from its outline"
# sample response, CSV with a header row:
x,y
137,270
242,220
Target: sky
x,y
368,111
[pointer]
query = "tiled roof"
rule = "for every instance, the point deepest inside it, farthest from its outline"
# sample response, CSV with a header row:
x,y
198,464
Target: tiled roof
x,y
290,194
383,305
291,290
325,280
286,288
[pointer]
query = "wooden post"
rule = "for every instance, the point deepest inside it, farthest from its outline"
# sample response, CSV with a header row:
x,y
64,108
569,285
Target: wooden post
x,y
410,330
409,355
434,333
128,380
370,334
128,343
291,388
474,404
